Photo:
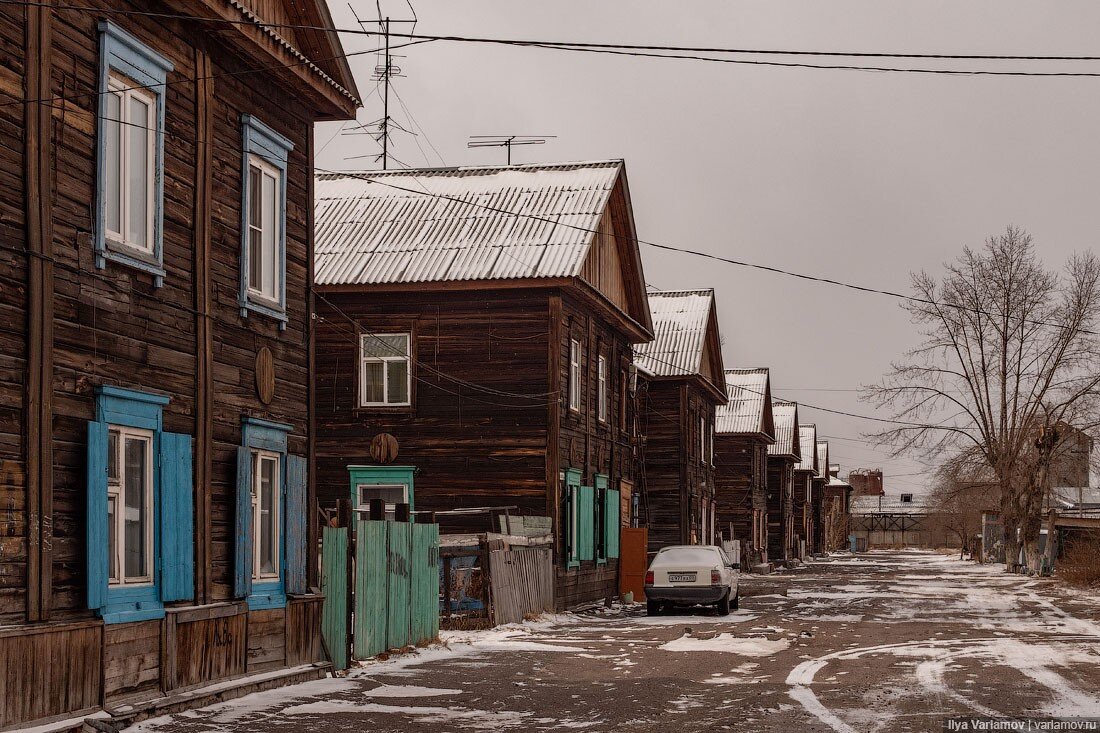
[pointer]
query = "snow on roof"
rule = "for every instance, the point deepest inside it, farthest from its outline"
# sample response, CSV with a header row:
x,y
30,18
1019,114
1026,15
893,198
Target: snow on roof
x,y
743,413
822,458
454,224
785,415
835,482
1075,497
889,505
679,332
807,441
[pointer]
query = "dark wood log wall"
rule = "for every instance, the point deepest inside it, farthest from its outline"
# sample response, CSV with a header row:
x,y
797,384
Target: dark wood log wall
x,y
112,326
679,475
740,485
800,505
780,480
817,516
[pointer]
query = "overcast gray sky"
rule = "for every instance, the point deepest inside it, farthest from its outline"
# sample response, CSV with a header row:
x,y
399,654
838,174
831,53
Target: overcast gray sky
x,y
858,176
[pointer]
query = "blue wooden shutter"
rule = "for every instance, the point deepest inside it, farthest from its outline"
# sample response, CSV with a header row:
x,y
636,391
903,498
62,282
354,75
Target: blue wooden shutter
x,y
242,573
98,564
177,519
611,522
297,524
586,528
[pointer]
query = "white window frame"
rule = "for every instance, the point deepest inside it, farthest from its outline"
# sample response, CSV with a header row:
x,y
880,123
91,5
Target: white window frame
x,y
384,360
702,439
125,89
258,456
574,375
601,392
116,566
363,507
272,296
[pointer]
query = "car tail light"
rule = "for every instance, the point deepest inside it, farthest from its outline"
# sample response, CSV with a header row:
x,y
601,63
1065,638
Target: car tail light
x,y
715,577
648,577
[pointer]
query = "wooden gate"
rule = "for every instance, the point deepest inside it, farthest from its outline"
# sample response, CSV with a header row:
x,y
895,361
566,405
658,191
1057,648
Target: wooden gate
x,y
521,584
334,586
396,586
633,561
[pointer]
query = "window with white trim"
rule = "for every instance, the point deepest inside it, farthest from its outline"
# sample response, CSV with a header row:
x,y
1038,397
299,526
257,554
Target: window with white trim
x,y
601,392
264,222
391,494
385,370
129,148
702,439
266,491
574,374
129,506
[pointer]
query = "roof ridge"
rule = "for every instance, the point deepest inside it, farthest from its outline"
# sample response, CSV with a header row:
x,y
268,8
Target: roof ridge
x,y
471,168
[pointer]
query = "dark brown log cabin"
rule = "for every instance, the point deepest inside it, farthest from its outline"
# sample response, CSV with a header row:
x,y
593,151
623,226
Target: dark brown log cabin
x,y
485,318
681,376
744,428
838,494
139,356
802,494
783,454
817,503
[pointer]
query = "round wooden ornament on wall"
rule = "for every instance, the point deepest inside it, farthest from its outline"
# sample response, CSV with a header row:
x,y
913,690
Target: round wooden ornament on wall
x,y
383,448
265,375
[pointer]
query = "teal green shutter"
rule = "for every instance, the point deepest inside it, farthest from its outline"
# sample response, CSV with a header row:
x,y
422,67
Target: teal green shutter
x,y
177,519
98,568
586,514
242,573
611,522
297,518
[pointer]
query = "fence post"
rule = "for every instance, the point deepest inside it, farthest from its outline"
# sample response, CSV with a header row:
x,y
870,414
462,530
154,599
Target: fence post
x,y
401,513
377,510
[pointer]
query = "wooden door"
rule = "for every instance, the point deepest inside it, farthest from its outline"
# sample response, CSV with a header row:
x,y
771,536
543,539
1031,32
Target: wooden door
x,y
633,561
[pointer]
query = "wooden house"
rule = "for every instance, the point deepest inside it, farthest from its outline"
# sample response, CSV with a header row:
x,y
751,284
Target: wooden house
x,y
155,288
744,428
817,500
783,454
837,499
801,496
681,378
485,319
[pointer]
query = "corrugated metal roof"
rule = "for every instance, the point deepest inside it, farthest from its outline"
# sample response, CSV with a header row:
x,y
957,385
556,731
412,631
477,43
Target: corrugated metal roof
x,y
822,458
807,441
864,505
743,413
785,415
679,332
442,225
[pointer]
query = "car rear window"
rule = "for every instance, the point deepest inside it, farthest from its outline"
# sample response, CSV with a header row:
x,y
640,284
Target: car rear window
x,y
688,556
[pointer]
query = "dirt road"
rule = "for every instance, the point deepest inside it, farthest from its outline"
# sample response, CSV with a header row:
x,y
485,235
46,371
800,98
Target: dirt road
x,y
886,641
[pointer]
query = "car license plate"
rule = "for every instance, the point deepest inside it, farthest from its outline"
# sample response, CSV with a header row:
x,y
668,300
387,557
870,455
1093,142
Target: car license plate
x,y
681,577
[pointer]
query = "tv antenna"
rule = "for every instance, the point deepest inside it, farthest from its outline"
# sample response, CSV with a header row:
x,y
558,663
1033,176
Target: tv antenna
x,y
507,142
384,71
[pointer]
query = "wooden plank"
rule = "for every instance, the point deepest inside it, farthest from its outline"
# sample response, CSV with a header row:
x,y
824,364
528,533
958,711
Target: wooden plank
x,y
371,593
334,586
40,288
398,539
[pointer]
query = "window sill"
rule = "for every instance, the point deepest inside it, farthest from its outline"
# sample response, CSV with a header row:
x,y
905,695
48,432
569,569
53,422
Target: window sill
x,y
266,596
129,257
137,603
262,308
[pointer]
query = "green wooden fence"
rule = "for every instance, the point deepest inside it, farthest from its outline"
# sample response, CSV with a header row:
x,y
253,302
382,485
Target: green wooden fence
x,y
334,584
396,586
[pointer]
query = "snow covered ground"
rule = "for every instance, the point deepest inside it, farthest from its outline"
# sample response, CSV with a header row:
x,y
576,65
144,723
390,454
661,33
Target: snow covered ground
x,y
878,642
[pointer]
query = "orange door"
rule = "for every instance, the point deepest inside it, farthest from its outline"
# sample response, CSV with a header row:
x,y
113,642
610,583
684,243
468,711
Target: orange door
x,y
633,561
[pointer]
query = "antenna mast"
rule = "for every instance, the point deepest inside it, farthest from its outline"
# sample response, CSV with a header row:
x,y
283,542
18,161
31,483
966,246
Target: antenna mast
x,y
506,142
383,73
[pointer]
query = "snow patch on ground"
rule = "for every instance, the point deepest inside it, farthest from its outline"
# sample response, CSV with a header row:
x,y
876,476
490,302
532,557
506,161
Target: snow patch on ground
x,y
728,643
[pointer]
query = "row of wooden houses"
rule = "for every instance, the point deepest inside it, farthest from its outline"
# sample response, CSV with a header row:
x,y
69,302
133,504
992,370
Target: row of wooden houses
x,y
205,343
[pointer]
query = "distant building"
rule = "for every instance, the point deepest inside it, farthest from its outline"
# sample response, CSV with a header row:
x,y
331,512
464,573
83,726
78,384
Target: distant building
x,y
866,482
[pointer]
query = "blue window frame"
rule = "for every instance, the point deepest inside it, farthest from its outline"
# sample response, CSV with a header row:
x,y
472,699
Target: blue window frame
x,y
140,521
129,220
263,220
272,516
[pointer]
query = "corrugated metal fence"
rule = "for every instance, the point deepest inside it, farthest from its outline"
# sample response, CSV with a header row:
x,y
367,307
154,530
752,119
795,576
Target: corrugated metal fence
x,y
521,583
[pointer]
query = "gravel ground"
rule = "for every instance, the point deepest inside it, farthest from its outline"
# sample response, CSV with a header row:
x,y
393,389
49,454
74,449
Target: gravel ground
x,y
883,641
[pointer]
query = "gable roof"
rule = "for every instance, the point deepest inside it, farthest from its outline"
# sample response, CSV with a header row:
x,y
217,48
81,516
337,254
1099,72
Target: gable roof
x,y
685,336
807,441
748,408
822,459
785,415
479,224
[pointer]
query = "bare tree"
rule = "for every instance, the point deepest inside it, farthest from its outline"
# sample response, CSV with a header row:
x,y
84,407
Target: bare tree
x,y
961,491
1010,352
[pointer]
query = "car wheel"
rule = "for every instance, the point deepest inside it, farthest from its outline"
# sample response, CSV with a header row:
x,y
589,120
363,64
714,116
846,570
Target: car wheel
x,y
736,602
724,605
652,608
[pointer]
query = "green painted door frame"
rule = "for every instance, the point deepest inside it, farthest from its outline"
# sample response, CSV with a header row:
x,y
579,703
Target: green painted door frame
x,y
381,476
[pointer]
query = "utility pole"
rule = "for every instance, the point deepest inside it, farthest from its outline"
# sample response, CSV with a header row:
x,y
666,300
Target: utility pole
x,y
386,95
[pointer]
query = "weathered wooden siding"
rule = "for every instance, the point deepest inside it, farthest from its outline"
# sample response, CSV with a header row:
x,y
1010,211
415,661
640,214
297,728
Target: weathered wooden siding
x,y
471,447
800,504
48,664
780,481
679,474
740,485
